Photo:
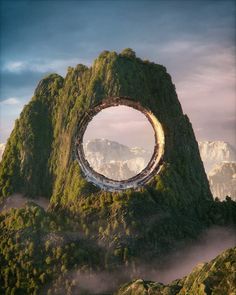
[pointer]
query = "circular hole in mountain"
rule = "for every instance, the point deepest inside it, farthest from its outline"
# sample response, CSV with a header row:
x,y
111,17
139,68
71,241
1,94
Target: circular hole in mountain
x,y
119,142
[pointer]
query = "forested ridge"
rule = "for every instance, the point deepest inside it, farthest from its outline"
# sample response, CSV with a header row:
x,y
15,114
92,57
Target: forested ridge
x,y
85,229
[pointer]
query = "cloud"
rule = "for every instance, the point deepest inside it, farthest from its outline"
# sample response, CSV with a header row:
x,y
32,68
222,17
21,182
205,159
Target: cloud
x,y
195,42
15,66
205,75
181,262
10,101
10,109
180,46
19,201
42,65
172,266
122,124
204,72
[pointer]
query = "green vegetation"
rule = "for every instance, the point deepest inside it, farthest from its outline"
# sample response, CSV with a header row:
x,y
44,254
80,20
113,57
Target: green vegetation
x,y
39,153
45,252
24,167
36,247
86,229
216,277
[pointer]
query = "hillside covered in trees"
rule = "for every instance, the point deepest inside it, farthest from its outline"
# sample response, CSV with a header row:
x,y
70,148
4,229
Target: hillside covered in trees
x,y
216,277
86,229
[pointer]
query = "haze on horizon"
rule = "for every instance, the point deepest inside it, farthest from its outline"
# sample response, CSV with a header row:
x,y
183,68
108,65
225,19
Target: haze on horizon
x,y
121,124
194,40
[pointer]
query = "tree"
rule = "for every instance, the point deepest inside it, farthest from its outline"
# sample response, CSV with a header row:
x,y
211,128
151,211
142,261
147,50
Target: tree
x,y
128,52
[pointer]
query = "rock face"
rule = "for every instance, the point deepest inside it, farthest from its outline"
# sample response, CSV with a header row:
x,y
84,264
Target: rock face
x,y
215,277
216,152
222,180
114,160
2,148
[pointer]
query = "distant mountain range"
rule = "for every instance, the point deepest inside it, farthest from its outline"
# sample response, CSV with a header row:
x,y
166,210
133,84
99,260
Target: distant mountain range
x,y
119,162
222,179
216,152
115,160
219,160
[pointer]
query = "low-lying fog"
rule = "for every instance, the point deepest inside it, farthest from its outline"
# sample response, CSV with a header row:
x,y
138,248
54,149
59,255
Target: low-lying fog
x,y
176,265
180,263
19,201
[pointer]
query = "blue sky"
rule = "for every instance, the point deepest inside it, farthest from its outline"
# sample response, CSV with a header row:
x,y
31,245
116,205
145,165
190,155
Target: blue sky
x,y
195,40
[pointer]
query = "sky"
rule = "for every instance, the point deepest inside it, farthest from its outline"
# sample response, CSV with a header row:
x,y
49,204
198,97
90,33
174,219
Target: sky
x,y
137,132
194,40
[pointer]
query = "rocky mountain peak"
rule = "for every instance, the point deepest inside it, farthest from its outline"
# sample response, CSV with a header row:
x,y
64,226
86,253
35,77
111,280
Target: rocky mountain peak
x,y
115,160
215,152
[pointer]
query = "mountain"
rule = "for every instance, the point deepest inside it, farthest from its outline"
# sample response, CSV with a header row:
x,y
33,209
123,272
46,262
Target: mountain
x,y
114,160
219,161
214,277
2,148
215,152
42,143
222,179
40,158
87,229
